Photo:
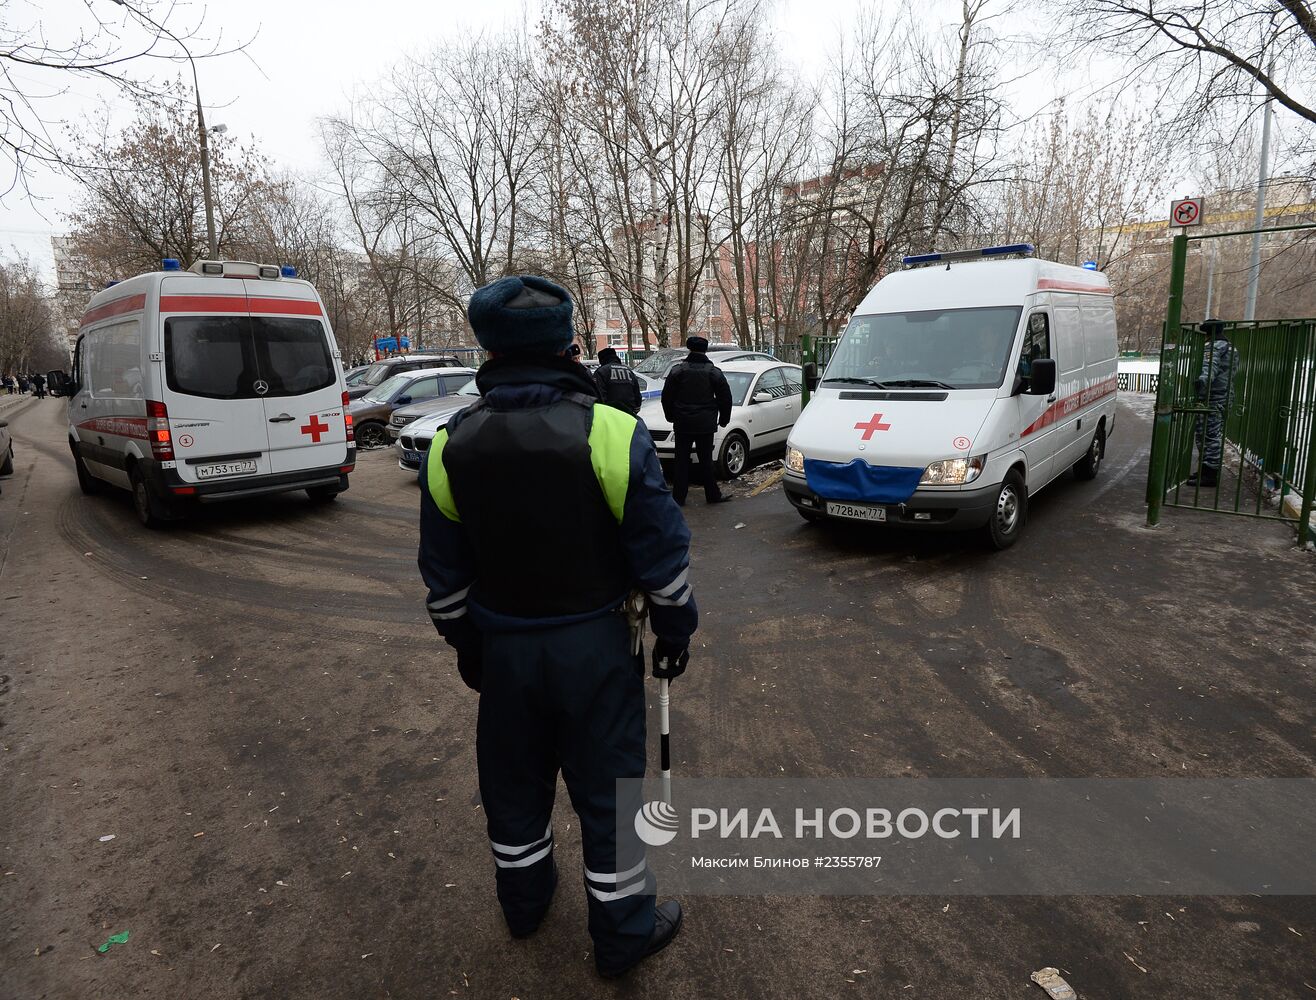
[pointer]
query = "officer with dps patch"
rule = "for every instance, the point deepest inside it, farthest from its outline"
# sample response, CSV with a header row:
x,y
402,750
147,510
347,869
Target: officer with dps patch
x,y
535,613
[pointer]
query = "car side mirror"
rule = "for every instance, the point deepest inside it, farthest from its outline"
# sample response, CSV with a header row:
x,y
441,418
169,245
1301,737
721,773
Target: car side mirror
x,y
811,375
4,423
1042,377
763,397
402,401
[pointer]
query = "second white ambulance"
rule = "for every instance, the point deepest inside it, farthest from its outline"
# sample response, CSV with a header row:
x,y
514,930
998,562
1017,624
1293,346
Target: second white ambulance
x,y
962,386
214,384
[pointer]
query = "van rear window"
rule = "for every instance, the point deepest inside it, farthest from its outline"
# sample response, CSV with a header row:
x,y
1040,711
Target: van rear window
x,y
224,357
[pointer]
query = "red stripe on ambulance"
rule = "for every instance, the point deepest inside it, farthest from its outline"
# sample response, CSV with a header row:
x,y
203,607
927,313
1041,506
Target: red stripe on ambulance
x,y
127,304
259,305
130,427
1064,407
1055,285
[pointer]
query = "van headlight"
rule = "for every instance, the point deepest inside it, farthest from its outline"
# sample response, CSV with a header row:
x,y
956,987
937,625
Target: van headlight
x,y
952,472
795,461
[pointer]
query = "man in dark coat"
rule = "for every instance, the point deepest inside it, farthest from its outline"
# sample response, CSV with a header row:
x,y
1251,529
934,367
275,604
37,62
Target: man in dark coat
x,y
617,384
535,613
696,402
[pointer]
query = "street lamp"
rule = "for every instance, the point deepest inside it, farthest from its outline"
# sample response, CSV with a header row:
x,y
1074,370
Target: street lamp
x,y
200,125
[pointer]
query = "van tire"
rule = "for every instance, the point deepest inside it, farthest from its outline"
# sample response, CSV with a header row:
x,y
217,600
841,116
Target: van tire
x,y
88,483
1009,512
7,469
1089,465
323,494
148,509
371,434
733,456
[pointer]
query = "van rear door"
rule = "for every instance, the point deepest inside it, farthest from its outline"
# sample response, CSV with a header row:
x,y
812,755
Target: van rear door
x,y
296,357
211,387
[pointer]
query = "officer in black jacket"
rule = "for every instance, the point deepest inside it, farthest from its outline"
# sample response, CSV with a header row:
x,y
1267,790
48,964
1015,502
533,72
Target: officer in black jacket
x,y
617,384
696,402
535,613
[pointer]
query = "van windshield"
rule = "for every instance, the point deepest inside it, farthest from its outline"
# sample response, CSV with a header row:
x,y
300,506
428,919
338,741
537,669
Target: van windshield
x,y
947,348
234,357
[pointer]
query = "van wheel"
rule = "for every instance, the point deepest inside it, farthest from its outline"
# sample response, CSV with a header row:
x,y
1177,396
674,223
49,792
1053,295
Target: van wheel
x,y
733,456
88,483
323,494
1009,512
147,507
371,435
1089,465
7,469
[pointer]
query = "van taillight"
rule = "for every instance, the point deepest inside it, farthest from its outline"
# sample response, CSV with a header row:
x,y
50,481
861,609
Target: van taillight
x,y
157,430
347,418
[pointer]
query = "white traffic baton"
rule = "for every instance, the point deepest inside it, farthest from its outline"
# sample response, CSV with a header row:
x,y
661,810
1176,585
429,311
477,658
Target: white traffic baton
x,y
637,610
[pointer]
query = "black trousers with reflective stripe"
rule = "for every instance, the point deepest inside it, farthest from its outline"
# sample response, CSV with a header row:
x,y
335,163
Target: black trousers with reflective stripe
x,y
569,698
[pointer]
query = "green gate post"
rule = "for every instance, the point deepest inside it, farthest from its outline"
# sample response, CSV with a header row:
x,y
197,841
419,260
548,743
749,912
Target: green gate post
x,y
1160,451
807,353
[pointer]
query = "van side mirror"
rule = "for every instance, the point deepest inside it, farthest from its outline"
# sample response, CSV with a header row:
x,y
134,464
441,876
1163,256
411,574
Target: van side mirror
x,y
1042,377
811,375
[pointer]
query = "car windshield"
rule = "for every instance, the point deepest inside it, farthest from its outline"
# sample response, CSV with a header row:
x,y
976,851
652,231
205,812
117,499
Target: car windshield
x,y
944,348
739,383
383,393
658,363
469,389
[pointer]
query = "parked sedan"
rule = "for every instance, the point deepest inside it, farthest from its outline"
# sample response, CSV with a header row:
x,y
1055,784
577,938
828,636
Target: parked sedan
x,y
371,413
452,381
657,365
765,402
415,439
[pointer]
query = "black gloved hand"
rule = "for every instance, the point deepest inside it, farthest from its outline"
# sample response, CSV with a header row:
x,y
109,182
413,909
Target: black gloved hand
x,y
470,664
1200,387
669,659
723,423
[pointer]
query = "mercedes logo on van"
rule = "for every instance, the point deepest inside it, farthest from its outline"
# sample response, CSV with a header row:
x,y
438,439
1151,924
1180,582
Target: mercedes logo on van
x,y
261,387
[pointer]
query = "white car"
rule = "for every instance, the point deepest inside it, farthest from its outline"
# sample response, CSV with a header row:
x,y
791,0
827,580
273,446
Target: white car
x,y
658,364
765,403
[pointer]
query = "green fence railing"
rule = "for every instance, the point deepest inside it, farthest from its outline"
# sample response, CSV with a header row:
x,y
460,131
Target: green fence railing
x,y
817,350
1267,466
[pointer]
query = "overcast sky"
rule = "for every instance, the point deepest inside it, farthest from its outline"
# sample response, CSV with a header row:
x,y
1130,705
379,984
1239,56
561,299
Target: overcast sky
x,y
307,58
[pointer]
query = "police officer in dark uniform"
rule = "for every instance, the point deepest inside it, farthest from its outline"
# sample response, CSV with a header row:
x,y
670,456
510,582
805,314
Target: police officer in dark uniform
x,y
618,385
696,402
1214,387
534,613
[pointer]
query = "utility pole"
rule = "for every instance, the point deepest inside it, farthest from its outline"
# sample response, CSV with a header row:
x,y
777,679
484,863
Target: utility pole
x,y
1254,268
212,241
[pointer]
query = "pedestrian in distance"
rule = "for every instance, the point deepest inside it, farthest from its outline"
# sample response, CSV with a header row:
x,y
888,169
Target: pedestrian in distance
x,y
23,384
39,385
536,614
1214,387
696,402
618,385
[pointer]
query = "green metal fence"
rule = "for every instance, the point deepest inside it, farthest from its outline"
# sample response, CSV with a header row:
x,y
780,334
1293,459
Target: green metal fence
x,y
818,350
1268,466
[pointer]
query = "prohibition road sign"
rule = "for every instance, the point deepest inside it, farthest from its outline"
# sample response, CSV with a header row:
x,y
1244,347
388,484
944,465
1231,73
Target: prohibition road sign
x,y
1186,212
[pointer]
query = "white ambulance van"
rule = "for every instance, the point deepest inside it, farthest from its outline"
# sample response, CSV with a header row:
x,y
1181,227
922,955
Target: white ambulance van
x,y
206,385
962,385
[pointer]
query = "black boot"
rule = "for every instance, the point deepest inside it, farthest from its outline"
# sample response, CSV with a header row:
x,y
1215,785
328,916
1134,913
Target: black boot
x,y
1208,476
666,925
519,930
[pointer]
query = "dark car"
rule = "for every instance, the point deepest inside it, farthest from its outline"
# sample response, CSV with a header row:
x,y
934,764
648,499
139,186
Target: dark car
x,y
353,376
371,413
378,373
6,450
452,381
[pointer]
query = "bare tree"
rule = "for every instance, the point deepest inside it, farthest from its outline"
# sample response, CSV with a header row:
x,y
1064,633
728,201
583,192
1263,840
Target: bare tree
x,y
1215,51
38,66
27,326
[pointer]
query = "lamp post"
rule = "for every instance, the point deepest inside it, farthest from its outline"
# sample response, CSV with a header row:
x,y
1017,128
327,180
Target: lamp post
x,y
200,125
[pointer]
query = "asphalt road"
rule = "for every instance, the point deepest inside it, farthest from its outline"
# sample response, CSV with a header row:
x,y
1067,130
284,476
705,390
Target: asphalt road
x,y
257,709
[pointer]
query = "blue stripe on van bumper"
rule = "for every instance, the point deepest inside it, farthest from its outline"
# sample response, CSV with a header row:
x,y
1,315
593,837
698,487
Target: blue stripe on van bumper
x,y
857,480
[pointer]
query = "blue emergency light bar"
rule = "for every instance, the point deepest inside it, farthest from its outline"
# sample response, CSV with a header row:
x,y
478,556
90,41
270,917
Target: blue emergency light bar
x,y
1090,265
1026,249
171,264
288,271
